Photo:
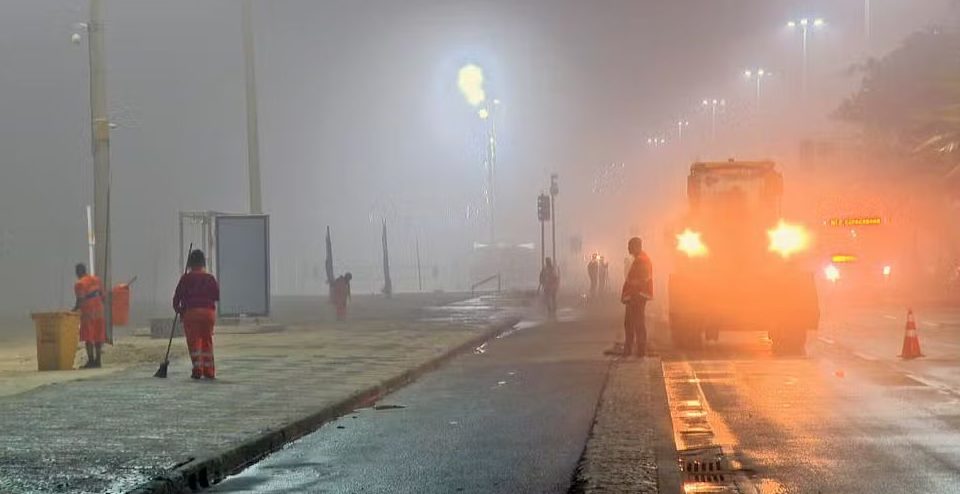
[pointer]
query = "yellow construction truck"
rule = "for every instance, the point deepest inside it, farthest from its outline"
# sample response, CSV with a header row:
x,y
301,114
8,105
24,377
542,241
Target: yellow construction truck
x,y
739,264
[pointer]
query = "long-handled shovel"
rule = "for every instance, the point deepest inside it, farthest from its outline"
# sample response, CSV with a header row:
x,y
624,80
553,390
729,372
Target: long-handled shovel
x,y
162,371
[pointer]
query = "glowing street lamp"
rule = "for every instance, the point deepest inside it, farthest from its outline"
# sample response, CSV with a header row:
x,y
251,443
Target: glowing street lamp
x,y
714,104
680,125
470,82
804,25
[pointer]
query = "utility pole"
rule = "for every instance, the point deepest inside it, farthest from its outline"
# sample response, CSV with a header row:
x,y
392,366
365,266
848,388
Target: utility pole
x,y
253,137
100,136
419,276
554,190
543,214
492,177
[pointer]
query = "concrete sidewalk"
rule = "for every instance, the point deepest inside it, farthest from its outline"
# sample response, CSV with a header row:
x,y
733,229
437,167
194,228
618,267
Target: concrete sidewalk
x,y
631,445
116,429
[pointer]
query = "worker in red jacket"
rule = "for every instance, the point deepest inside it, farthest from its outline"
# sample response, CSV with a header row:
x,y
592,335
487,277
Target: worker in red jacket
x,y
196,300
637,290
93,331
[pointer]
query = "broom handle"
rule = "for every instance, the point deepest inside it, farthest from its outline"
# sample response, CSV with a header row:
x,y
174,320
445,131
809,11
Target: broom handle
x,y
173,329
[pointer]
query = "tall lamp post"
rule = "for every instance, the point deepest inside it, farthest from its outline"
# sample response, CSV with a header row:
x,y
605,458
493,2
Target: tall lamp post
x,y
757,75
470,82
253,136
490,115
714,105
805,25
680,126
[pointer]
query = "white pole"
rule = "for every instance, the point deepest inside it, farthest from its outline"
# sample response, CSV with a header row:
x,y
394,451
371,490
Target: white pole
x,y
759,78
866,21
804,74
253,138
91,242
713,122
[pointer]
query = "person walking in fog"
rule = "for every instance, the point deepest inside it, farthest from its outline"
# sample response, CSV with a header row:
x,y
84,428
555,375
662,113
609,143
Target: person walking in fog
x,y
340,295
93,332
603,276
195,299
637,290
593,271
550,282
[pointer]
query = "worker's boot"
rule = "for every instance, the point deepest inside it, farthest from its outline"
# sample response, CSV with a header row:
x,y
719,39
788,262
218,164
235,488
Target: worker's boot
x,y
90,358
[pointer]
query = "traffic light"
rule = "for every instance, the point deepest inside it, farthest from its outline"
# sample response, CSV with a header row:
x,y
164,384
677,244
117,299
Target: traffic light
x,y
543,207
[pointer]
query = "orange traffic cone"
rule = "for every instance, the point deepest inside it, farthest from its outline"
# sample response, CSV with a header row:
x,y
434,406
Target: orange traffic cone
x,y
911,342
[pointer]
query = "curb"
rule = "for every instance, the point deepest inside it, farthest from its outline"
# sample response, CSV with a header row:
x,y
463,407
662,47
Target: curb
x,y
200,473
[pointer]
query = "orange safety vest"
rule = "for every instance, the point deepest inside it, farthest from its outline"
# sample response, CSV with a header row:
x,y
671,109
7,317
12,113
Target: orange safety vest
x,y
90,294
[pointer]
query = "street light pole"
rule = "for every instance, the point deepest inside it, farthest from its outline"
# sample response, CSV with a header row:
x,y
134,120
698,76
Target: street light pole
x,y
866,21
680,125
805,24
714,104
759,74
253,136
100,136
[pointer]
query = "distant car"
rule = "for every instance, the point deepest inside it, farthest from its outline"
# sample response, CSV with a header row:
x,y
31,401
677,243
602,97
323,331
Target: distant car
x,y
738,262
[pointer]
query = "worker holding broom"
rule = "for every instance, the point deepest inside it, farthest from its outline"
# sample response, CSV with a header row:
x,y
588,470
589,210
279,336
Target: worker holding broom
x,y
93,331
195,300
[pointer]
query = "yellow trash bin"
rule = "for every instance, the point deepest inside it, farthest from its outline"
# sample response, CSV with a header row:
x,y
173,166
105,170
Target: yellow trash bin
x,y
58,334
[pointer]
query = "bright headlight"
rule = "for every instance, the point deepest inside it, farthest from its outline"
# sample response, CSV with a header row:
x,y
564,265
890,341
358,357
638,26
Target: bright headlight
x,y
831,273
787,239
689,243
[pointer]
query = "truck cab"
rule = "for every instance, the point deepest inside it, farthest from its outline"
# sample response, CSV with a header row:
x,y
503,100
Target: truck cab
x,y
739,265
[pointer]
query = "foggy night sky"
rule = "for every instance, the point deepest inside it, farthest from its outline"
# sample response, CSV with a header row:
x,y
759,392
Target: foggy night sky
x,y
361,119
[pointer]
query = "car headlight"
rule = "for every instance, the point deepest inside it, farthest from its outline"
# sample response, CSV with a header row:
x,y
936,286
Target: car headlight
x,y
689,243
787,239
832,273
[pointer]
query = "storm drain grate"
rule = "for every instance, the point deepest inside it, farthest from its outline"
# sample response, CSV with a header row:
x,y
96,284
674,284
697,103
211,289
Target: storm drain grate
x,y
706,470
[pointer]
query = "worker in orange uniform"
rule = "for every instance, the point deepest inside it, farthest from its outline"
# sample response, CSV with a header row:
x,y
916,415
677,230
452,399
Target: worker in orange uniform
x,y
637,290
340,294
93,330
196,300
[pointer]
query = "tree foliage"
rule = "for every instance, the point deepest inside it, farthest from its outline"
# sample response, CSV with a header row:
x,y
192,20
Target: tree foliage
x,y
909,100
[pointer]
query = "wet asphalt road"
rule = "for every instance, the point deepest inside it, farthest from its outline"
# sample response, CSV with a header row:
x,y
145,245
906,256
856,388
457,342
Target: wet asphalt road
x,y
836,421
513,418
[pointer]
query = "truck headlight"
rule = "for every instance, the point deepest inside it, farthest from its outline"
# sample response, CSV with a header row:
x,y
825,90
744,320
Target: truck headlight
x,y
689,243
787,239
